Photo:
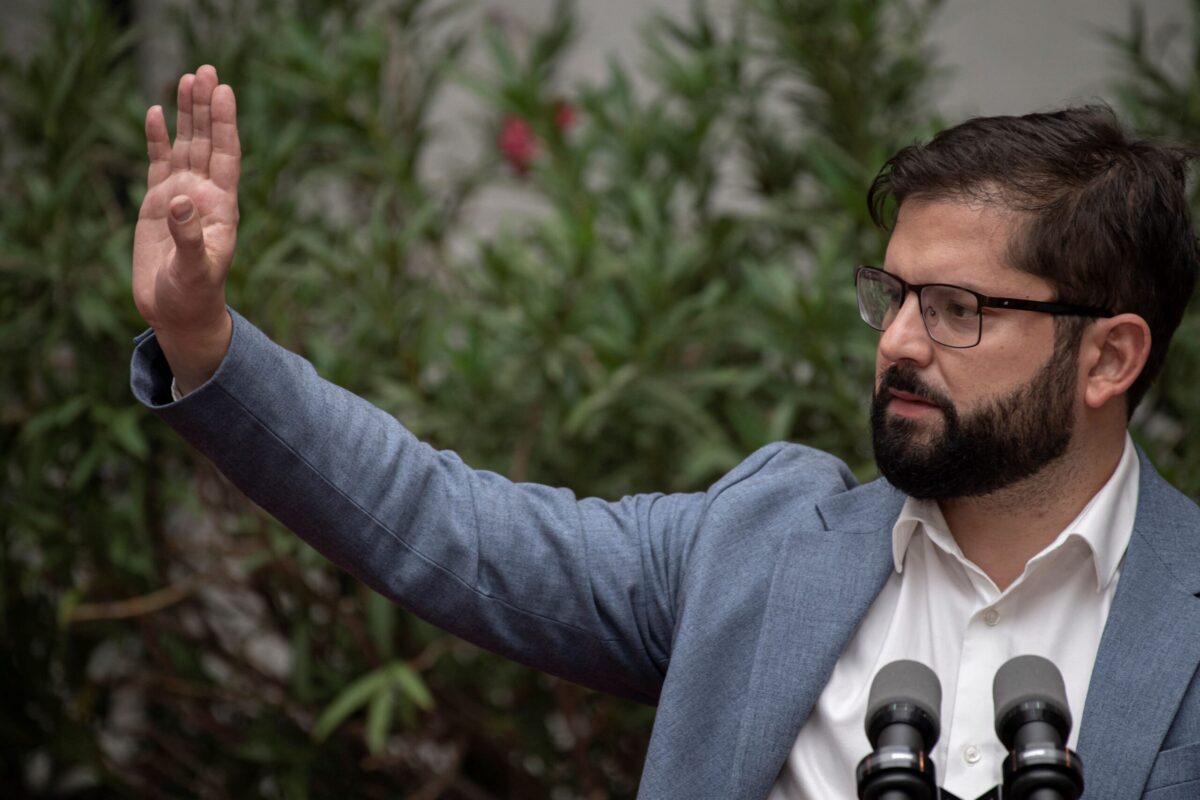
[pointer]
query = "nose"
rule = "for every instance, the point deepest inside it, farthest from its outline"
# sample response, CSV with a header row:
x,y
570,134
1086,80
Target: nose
x,y
906,338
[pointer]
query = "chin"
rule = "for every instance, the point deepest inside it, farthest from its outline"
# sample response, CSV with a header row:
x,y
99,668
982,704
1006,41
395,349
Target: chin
x,y
921,428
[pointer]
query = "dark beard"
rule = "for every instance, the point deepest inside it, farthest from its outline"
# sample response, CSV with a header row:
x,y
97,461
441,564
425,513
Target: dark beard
x,y
1009,439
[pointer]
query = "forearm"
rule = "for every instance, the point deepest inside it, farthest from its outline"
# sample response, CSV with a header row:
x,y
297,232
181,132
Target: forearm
x,y
522,569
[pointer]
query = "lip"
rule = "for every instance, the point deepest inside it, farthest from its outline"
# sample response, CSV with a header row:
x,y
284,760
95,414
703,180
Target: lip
x,y
907,404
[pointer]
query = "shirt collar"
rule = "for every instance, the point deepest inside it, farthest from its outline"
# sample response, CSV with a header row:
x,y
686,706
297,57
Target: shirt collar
x,y
1105,524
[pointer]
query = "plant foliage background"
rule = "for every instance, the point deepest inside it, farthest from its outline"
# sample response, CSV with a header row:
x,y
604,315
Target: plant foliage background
x,y
683,299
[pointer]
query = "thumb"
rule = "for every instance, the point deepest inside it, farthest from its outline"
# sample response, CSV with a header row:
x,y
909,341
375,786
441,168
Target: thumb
x,y
184,224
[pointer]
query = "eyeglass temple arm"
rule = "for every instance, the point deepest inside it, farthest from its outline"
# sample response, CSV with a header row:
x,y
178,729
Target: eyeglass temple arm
x,y
1044,306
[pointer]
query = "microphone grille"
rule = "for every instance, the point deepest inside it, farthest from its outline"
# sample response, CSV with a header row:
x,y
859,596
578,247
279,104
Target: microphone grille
x,y
1026,679
906,682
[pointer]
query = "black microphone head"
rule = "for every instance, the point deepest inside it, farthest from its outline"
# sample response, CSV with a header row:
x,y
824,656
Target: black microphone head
x,y
909,692
1026,689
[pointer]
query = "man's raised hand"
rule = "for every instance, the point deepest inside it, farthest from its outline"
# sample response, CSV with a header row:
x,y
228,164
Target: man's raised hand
x,y
187,227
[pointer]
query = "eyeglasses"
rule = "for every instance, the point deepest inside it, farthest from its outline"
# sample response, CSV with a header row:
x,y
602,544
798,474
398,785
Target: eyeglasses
x,y
952,315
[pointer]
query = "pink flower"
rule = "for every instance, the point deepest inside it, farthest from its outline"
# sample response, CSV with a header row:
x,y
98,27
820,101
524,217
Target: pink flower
x,y
519,145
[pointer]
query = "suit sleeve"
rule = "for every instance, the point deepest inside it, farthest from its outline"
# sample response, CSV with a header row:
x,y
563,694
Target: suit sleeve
x,y
584,589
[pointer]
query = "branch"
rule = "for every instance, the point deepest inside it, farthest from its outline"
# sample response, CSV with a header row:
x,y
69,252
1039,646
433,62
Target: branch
x,y
137,606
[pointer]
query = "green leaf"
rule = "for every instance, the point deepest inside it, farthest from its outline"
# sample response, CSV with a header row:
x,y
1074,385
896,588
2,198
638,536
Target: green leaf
x,y
366,691
411,684
584,416
86,466
351,699
381,621
96,314
125,429
379,720
58,416
502,54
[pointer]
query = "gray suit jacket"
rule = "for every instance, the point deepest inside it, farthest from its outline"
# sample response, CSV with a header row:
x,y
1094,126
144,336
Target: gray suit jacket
x,y
727,608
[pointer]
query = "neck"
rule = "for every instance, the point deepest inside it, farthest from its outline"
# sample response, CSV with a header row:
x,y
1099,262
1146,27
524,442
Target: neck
x,y
1000,532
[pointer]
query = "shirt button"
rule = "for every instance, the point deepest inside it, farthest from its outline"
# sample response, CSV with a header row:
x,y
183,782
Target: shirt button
x,y
991,617
972,754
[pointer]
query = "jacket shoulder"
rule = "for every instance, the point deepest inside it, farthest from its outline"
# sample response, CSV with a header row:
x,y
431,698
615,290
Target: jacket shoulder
x,y
782,472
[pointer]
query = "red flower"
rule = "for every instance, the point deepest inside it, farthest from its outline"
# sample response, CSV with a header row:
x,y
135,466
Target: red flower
x,y
519,145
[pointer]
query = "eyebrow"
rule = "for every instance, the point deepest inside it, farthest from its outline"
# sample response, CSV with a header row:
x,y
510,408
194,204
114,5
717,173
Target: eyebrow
x,y
968,286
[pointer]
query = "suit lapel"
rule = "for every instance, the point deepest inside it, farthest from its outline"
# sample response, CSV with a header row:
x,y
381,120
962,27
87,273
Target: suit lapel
x,y
1150,647
823,583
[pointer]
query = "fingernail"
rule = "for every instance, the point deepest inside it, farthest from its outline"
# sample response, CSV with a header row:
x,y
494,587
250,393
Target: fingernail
x,y
182,212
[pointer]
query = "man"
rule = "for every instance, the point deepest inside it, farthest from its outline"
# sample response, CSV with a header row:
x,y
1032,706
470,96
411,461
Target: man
x,y
1037,269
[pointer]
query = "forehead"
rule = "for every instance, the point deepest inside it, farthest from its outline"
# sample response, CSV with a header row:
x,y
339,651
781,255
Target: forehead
x,y
959,242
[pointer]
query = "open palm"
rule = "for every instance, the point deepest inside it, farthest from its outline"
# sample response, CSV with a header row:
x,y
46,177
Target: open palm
x,y
187,227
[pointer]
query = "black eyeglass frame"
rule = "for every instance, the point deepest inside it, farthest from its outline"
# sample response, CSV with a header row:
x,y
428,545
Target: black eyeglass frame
x,y
985,301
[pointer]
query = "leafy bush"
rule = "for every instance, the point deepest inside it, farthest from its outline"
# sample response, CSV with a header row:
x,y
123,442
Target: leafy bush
x,y
1156,96
683,299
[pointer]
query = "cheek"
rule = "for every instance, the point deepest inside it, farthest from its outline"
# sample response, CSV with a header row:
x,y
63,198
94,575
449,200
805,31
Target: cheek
x,y
970,385
996,375
1018,344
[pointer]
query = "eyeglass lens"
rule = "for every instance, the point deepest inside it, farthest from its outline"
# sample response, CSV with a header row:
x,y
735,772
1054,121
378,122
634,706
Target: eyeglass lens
x,y
950,314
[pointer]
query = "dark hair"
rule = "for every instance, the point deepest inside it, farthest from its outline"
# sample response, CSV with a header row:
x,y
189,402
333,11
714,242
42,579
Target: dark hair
x,y
1106,214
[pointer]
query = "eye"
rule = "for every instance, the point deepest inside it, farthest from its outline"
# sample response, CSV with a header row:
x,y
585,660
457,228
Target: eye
x,y
958,310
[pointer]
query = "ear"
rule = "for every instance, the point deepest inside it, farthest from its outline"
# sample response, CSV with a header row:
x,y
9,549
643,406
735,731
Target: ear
x,y
1115,352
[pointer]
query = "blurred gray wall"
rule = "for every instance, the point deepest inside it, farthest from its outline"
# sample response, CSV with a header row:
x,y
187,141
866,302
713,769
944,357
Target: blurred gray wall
x,y
1017,56
1004,56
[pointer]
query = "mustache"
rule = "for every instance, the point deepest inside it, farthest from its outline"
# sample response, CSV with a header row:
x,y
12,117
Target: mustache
x,y
905,379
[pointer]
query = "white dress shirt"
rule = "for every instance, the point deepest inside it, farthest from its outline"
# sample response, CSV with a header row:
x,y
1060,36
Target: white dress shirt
x,y
942,610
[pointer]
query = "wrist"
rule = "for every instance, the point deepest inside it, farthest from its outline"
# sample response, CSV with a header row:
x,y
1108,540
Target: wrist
x,y
194,355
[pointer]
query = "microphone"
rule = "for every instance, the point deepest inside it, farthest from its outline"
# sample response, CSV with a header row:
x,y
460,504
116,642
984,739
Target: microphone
x,y
902,723
1033,720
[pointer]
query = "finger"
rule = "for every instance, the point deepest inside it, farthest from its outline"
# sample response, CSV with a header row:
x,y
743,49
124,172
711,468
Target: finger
x,y
183,123
225,167
202,91
184,223
158,147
